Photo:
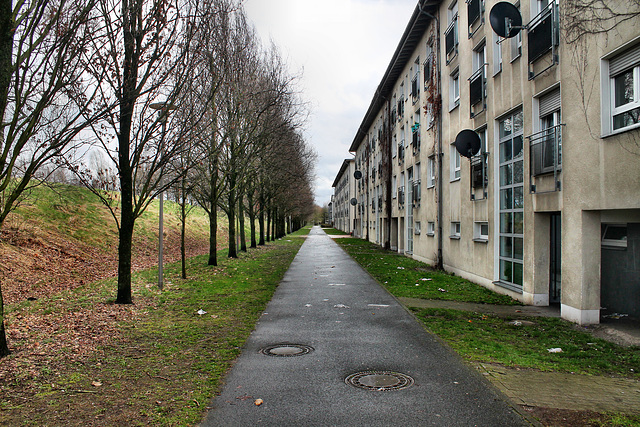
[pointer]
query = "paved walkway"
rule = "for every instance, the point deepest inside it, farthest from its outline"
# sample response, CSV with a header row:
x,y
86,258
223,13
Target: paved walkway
x,y
351,325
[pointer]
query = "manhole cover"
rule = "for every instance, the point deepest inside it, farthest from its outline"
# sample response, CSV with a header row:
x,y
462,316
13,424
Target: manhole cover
x,y
379,380
286,350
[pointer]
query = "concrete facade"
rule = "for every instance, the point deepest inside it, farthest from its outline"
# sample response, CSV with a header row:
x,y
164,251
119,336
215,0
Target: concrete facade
x,y
344,187
557,180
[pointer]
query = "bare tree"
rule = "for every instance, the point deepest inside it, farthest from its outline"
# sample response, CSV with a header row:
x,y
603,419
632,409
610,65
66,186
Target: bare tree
x,y
140,55
44,99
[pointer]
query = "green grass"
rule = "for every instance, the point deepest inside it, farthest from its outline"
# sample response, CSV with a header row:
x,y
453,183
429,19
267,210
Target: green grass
x,y
334,232
484,338
403,276
169,361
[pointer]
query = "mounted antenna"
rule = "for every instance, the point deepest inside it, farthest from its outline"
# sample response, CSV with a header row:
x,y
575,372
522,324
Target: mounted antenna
x,y
357,174
468,143
353,201
505,19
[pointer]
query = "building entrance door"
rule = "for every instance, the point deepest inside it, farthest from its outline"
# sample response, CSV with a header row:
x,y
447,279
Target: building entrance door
x,y
555,259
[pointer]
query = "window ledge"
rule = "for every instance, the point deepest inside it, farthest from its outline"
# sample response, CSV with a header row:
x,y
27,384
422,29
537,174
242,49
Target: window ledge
x,y
509,286
455,179
619,131
454,237
431,234
481,240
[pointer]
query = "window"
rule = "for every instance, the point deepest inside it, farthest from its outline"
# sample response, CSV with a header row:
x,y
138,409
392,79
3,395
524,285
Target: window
x,y
394,186
454,89
455,163
480,168
511,201
497,54
614,235
621,91
546,145
415,86
431,172
451,33
431,228
416,227
455,230
516,43
477,81
481,231
474,15
428,66
417,186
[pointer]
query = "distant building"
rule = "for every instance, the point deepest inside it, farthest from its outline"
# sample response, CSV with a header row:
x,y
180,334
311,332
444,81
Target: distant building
x,y
548,209
344,213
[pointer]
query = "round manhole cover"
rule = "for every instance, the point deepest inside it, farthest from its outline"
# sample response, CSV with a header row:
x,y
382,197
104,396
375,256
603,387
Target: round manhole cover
x,y
379,380
286,350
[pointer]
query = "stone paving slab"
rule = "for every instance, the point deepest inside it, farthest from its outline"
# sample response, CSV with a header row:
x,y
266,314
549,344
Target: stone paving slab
x,y
565,391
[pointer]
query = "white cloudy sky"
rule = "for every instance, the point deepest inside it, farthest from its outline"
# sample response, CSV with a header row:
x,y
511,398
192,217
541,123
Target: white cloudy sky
x,y
342,49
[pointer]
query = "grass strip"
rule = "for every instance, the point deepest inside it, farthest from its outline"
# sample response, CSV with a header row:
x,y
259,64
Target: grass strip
x,y
407,277
172,348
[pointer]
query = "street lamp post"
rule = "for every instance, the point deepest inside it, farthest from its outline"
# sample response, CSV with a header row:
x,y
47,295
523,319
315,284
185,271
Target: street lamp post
x,y
163,110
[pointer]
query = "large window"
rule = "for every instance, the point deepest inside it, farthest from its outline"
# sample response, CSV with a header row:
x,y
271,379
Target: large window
x,y
431,172
511,201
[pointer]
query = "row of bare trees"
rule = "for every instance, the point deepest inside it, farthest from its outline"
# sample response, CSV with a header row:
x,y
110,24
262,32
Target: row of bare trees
x,y
175,95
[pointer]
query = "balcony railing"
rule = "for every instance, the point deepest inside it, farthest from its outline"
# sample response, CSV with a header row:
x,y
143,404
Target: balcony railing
x,y
544,36
477,91
479,175
546,156
417,193
451,39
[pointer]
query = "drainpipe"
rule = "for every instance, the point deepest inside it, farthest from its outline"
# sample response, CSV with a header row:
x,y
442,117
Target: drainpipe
x,y
439,153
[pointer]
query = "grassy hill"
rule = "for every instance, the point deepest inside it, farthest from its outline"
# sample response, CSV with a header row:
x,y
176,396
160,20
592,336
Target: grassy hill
x,y
62,236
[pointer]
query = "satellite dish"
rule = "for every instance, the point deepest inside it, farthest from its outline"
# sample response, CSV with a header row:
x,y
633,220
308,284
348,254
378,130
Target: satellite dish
x,y
357,174
505,19
353,201
468,143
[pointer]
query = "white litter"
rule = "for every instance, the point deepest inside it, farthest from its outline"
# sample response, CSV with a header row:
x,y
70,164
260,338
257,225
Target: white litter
x,y
554,350
378,305
307,305
341,306
442,290
337,284
424,279
400,268
201,312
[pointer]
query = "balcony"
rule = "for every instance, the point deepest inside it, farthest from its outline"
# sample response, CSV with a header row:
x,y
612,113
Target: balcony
x,y
417,193
479,176
451,39
546,157
478,91
474,16
543,36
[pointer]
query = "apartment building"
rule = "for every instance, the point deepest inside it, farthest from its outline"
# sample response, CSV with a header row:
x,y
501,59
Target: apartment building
x,y
344,189
547,210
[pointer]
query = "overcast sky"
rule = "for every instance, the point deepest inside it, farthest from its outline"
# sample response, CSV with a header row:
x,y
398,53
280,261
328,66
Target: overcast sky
x,y
341,48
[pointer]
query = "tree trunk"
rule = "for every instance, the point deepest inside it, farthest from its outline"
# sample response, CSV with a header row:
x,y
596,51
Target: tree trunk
x,y
124,256
183,229
243,236
261,218
252,219
213,236
268,230
4,347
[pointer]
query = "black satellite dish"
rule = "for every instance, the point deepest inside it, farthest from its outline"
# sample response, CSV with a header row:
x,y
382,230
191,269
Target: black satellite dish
x,y
353,201
505,19
357,174
468,143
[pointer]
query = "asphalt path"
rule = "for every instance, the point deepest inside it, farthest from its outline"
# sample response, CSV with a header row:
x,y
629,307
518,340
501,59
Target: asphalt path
x,y
328,302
